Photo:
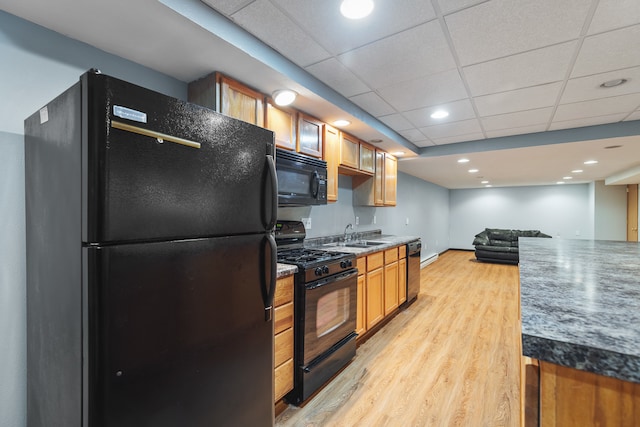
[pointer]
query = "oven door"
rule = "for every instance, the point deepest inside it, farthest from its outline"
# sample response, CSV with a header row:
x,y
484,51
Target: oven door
x,y
329,312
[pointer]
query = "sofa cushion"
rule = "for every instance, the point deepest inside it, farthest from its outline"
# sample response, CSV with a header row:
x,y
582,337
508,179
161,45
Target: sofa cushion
x,y
506,249
481,239
500,234
504,243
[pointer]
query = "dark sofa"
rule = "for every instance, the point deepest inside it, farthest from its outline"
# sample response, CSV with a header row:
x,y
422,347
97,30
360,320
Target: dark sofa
x,y
501,245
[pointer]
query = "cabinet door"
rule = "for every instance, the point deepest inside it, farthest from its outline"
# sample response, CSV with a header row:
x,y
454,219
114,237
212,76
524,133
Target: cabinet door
x,y
402,280
390,287
361,319
390,179
349,151
378,180
375,297
367,158
282,121
309,136
331,145
241,102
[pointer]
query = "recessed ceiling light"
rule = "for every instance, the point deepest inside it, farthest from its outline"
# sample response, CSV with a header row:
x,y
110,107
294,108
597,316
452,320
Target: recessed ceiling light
x,y
613,83
463,160
342,123
484,182
590,162
398,153
356,9
577,171
567,177
284,97
560,182
473,170
439,114
488,185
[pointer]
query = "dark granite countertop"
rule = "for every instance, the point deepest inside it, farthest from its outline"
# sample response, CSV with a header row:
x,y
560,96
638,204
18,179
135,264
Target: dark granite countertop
x,y
580,304
383,241
285,270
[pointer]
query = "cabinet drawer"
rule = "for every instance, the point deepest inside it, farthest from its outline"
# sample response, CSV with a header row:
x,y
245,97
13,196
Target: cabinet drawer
x,y
283,347
375,260
402,251
284,291
283,379
391,255
362,265
283,317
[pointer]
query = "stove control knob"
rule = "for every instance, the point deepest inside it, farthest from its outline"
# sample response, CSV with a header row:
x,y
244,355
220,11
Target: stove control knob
x,y
325,269
346,263
318,271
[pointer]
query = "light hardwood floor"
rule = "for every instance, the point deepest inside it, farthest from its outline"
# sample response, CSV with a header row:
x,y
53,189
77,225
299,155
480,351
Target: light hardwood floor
x,y
451,359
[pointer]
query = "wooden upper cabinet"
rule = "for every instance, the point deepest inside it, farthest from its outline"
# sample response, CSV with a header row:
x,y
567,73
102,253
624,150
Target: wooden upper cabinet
x,y
390,179
349,151
282,121
378,180
367,158
229,97
310,135
331,144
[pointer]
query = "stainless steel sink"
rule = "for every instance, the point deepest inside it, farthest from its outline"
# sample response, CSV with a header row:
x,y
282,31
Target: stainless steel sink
x,y
363,244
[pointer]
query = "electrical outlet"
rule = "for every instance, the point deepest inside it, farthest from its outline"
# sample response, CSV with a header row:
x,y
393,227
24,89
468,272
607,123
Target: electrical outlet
x,y
307,223
357,220
374,219
577,232
407,221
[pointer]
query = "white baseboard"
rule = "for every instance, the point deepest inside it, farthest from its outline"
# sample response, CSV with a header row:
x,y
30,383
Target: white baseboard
x,y
429,259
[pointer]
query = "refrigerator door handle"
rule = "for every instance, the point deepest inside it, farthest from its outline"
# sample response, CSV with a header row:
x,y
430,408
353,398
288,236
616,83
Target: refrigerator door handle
x,y
270,293
160,137
271,166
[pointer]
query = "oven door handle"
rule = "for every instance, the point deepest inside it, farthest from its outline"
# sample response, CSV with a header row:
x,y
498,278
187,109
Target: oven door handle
x,y
332,279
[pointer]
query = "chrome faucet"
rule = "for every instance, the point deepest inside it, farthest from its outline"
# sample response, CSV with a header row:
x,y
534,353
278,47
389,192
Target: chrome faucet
x,y
347,236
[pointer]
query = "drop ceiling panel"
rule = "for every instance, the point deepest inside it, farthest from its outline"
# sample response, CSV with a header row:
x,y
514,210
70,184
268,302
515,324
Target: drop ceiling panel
x,y
585,88
338,77
458,111
270,24
518,100
413,135
396,121
372,103
404,56
323,21
598,107
531,68
227,7
520,119
516,131
612,14
426,91
447,6
505,27
452,129
591,121
609,51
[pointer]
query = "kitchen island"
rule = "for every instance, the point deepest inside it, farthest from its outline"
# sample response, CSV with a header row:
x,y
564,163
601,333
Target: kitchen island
x,y
580,313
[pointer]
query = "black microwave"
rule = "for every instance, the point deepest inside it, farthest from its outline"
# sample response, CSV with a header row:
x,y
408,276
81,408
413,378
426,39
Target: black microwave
x,y
302,180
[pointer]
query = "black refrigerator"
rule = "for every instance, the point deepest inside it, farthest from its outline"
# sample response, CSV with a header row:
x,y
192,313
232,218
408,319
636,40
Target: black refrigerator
x,y
151,264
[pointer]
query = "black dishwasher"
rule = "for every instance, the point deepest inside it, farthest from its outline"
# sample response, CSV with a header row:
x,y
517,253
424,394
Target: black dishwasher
x,y
413,270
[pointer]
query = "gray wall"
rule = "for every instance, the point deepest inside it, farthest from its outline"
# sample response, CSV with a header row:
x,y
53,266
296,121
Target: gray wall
x,y
558,210
610,211
425,205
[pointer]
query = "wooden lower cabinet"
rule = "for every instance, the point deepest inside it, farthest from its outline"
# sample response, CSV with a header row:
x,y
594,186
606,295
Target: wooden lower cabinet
x,y
283,337
390,287
558,396
402,280
375,296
